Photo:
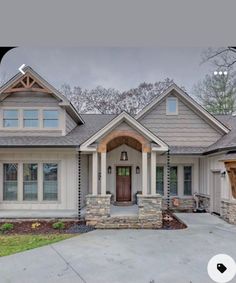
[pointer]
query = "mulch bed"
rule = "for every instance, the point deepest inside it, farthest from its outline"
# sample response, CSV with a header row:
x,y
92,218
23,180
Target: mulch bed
x,y
171,222
25,227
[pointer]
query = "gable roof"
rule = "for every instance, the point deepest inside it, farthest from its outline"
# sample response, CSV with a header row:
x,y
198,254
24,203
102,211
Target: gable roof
x,y
8,88
125,117
193,104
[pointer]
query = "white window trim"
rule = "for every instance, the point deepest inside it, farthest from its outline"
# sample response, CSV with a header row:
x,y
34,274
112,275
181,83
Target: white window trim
x,y
192,171
61,117
180,181
20,184
177,106
29,128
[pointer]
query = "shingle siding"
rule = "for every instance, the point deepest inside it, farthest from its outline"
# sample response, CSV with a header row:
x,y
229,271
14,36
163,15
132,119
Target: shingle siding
x,y
184,129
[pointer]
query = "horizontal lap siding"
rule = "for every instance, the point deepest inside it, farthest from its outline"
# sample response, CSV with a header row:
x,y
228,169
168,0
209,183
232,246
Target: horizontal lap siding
x,y
21,99
184,129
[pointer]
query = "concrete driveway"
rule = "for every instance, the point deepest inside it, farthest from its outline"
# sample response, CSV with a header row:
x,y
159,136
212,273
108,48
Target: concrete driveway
x,y
156,256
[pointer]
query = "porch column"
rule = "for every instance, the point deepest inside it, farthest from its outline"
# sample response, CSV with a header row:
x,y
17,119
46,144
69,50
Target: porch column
x,y
153,173
144,173
95,174
103,173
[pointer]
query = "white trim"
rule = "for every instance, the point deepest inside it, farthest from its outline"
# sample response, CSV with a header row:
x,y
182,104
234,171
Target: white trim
x,y
189,99
120,118
20,181
21,128
177,105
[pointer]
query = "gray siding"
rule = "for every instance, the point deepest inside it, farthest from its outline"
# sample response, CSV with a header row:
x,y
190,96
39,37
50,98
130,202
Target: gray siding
x,y
185,129
21,99
70,123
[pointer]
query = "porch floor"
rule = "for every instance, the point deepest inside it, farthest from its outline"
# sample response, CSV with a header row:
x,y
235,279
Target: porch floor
x,y
131,210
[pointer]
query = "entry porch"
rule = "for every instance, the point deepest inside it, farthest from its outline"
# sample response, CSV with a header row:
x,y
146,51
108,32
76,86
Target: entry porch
x,y
123,172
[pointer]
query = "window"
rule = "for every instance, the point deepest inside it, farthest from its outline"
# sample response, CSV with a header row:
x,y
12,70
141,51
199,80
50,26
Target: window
x,y
187,180
10,181
50,118
30,186
173,180
160,180
171,106
123,171
50,190
10,118
31,118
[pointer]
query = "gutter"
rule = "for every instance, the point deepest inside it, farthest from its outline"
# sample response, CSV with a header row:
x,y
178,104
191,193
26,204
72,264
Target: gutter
x,y
219,150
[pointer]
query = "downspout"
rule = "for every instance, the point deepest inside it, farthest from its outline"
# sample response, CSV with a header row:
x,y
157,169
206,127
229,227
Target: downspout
x,y
79,186
168,179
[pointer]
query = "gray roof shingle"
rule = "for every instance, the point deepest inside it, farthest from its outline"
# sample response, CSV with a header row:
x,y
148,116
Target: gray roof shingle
x,y
228,140
95,122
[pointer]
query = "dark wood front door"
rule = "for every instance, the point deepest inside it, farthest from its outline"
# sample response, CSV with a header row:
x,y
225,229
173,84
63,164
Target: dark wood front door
x,y
123,183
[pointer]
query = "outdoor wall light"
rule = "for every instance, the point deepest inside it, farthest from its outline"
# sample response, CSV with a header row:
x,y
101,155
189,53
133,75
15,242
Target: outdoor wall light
x,y
137,170
223,174
109,170
124,156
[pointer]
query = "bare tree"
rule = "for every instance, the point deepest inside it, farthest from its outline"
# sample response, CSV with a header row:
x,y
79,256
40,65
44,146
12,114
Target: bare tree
x,y
217,93
224,57
112,101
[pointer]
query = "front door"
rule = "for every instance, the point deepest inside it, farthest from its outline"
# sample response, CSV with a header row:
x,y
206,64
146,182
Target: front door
x,y
123,183
216,194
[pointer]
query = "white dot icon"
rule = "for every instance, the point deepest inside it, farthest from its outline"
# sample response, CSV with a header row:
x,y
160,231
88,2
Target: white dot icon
x,y
220,73
215,73
225,73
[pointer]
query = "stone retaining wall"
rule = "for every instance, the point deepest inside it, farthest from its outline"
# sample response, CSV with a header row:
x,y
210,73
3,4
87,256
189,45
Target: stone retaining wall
x,y
97,208
229,211
185,204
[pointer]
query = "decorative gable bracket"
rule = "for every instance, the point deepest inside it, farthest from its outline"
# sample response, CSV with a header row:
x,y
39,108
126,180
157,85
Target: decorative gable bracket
x,y
27,83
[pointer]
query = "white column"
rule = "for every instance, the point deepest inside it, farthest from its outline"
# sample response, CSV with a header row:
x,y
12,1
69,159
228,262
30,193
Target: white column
x,y
144,173
95,174
103,173
153,173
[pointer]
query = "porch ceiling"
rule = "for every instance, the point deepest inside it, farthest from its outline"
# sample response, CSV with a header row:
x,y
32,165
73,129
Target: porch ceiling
x,y
116,142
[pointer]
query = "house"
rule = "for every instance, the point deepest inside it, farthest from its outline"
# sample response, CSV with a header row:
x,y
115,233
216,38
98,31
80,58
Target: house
x,y
54,161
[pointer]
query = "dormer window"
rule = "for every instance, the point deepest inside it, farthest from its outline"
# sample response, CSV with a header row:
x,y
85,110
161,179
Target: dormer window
x,y
10,118
171,106
50,119
31,118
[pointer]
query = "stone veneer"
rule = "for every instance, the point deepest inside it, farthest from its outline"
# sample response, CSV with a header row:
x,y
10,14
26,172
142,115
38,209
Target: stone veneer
x,y
228,211
97,208
149,213
185,204
150,210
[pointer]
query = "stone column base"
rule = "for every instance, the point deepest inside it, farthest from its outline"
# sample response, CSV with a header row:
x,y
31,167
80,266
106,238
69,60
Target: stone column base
x,y
150,210
97,208
229,212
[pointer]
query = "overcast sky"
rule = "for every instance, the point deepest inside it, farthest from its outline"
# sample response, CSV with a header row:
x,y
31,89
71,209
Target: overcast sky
x,y
120,68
